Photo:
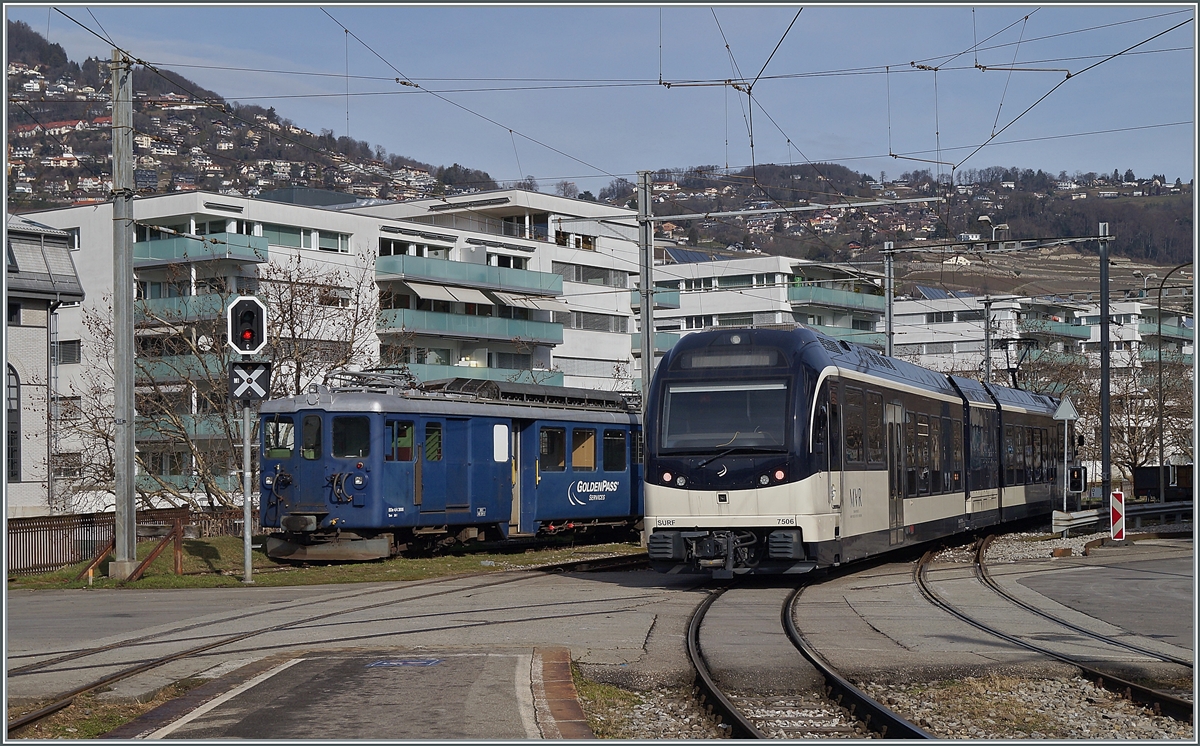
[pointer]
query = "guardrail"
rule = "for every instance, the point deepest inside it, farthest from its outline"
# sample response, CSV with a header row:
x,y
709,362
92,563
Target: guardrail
x,y
1137,515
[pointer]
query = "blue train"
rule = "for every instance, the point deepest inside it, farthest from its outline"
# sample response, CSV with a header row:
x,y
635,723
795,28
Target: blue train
x,y
370,467
781,451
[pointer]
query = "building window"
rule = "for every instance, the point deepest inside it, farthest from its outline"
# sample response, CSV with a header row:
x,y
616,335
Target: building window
x,y
337,242
699,283
590,275
736,319
286,235
511,262
737,281
594,322
941,317
12,398
14,313
67,352
67,465
67,408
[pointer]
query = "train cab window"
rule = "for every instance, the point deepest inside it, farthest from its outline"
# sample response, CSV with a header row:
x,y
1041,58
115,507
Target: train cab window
x,y
854,425
399,439
923,452
279,437
875,454
935,455
910,454
552,451
351,437
433,441
614,450
583,450
311,433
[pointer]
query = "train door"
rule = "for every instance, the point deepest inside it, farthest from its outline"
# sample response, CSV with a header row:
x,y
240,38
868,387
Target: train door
x,y
894,417
457,458
431,468
517,461
310,469
398,458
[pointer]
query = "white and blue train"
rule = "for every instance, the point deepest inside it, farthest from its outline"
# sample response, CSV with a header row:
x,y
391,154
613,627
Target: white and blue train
x,y
781,451
372,467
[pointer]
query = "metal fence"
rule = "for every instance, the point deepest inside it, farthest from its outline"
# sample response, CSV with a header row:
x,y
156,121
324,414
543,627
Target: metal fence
x,y
48,543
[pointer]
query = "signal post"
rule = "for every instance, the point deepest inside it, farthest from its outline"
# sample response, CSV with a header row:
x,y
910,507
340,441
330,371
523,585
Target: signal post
x,y
246,333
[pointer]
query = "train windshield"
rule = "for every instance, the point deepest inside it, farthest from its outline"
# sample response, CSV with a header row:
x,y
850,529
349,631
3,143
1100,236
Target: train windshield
x,y
700,417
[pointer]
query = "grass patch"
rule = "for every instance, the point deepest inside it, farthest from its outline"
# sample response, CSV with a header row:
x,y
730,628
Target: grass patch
x,y
91,717
218,562
604,705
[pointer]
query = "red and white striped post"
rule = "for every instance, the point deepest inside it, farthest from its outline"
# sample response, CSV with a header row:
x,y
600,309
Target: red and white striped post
x,y
1117,505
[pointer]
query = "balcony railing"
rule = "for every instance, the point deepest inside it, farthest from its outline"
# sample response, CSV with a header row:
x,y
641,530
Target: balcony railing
x,y
468,327
179,310
185,483
437,372
1150,355
1056,329
194,426
467,274
181,368
481,224
663,299
663,341
179,249
1169,331
820,296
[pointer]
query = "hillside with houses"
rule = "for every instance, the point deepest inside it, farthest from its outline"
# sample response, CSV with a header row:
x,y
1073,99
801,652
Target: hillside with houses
x,y
186,138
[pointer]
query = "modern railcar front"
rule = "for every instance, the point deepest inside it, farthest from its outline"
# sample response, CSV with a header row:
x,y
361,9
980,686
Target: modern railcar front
x,y
778,451
356,473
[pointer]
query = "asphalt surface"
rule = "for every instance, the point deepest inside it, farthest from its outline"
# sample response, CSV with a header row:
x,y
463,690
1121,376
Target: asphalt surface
x,y
453,661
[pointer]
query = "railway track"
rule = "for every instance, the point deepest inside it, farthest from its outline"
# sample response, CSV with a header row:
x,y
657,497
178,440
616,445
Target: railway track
x,y
843,712
64,699
1158,701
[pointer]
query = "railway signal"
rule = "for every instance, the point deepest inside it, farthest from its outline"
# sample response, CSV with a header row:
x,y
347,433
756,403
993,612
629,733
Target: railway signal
x,y
246,322
1077,479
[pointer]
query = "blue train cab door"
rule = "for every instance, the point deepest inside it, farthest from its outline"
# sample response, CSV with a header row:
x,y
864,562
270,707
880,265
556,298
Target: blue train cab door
x,y
399,468
311,466
444,462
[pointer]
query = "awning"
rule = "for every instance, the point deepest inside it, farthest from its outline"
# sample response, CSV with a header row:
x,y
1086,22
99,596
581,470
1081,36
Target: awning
x,y
538,303
432,292
467,295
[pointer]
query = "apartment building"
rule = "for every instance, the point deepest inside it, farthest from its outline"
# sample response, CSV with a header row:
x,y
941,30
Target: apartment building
x,y
42,283
694,291
504,285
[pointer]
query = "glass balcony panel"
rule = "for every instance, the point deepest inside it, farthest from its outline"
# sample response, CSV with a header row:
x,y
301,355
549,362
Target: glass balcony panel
x,y
663,341
663,299
1057,329
176,249
476,327
466,273
862,337
437,372
820,296
1169,331
182,309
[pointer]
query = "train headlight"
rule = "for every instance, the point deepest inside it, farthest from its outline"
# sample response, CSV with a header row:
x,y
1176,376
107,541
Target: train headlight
x,y
268,480
667,477
764,480
779,475
359,480
680,480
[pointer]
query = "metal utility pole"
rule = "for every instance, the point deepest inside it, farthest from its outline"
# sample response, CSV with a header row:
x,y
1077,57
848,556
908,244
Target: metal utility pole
x,y
889,290
646,248
123,343
987,338
1162,479
1105,354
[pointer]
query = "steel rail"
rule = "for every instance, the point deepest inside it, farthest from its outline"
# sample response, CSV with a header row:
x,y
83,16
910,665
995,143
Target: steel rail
x,y
872,713
709,692
65,699
1166,704
986,578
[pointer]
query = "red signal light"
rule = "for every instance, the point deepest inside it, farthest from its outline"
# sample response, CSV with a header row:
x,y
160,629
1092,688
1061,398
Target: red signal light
x,y
247,335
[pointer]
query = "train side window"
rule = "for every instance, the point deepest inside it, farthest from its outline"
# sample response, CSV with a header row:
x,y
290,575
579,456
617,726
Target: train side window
x,y
639,447
854,425
910,454
875,454
279,437
433,441
935,455
552,454
351,437
956,446
311,432
923,453
614,450
583,451
1032,455
1022,456
499,443
947,464
1010,456
835,431
400,441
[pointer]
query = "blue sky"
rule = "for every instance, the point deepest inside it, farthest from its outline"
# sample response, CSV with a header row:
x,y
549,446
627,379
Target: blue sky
x,y
572,93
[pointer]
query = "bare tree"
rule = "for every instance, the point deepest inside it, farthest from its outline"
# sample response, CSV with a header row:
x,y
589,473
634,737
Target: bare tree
x,y
566,189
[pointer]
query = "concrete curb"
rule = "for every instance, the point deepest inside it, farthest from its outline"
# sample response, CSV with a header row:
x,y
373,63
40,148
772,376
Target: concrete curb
x,y
555,701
